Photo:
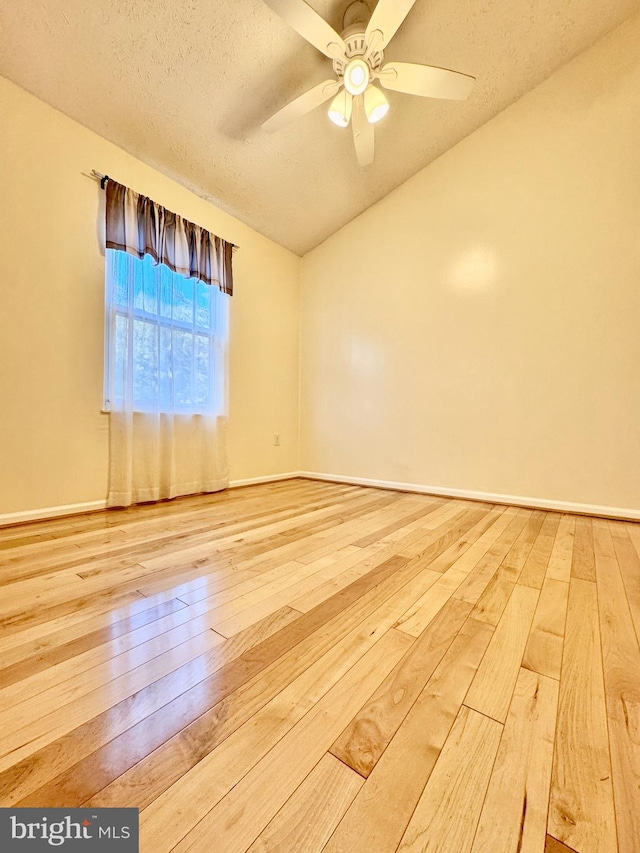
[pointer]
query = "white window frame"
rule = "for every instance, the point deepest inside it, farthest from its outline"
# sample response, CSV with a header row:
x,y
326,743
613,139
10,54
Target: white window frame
x,y
217,400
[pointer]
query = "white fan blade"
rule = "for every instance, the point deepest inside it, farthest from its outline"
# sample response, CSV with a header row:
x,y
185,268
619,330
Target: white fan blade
x,y
426,80
363,137
387,17
310,25
304,104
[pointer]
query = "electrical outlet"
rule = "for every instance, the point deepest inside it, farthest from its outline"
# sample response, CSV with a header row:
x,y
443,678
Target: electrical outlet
x,y
276,440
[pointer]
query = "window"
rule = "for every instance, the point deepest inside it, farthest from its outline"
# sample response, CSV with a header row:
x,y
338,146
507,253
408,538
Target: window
x,y
165,339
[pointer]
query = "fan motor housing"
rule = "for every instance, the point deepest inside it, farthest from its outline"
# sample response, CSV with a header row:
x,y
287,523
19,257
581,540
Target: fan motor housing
x,y
356,46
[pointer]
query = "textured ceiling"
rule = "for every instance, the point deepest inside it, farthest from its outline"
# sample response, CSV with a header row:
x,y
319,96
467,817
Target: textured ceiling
x,y
184,86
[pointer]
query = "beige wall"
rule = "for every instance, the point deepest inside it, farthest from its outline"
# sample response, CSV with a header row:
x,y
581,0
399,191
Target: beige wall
x,y
53,438
479,328
475,330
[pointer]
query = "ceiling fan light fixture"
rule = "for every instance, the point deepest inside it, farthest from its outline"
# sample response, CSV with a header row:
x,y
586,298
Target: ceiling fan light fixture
x,y
376,105
357,57
356,76
340,109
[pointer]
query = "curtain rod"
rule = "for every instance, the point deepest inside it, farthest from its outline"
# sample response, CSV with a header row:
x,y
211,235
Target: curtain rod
x,y
98,176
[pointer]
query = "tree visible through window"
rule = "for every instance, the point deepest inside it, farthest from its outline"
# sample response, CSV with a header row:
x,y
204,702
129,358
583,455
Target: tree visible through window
x,y
165,339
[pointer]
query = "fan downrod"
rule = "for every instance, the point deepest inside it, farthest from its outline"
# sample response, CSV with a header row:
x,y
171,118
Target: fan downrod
x,y
357,12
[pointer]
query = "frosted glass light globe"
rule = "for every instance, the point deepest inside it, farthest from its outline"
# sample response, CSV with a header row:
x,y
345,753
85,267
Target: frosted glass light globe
x,y
356,76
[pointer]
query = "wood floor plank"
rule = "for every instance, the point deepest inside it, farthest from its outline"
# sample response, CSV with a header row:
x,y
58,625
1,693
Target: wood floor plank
x,y
480,576
491,604
537,563
621,667
445,517
25,659
351,568
308,818
559,568
373,525
543,653
447,813
124,547
519,552
67,681
383,807
221,586
581,811
153,754
633,530
277,532
366,737
228,544
163,709
491,690
477,547
237,808
552,845
454,571
417,515
308,548
322,655
252,636
423,612
429,547
629,561
270,598
24,641
56,663
583,562
514,814
34,616
33,725
455,553
286,538
361,622
190,576
228,603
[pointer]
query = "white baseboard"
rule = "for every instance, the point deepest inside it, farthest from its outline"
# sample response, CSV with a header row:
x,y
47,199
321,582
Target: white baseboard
x,y
268,478
10,518
43,513
488,497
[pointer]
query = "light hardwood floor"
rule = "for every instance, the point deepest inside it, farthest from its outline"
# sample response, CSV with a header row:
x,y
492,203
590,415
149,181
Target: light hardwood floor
x,y
306,666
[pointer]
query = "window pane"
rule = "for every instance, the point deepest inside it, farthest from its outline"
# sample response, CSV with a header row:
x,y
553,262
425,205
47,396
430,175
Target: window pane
x,y
145,364
166,291
150,287
136,278
119,259
145,286
165,338
203,305
165,372
202,368
182,364
121,357
183,299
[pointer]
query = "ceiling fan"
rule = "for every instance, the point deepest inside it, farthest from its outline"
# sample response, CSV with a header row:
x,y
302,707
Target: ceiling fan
x,y
357,56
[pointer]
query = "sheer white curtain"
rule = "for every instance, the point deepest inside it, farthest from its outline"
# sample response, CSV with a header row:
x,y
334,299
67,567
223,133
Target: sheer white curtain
x,y
166,382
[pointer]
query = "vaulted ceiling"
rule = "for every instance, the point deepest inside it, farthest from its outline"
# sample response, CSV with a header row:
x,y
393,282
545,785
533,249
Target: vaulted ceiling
x,y
184,86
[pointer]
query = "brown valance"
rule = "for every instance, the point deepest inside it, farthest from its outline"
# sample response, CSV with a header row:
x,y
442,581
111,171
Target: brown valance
x,y
139,226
